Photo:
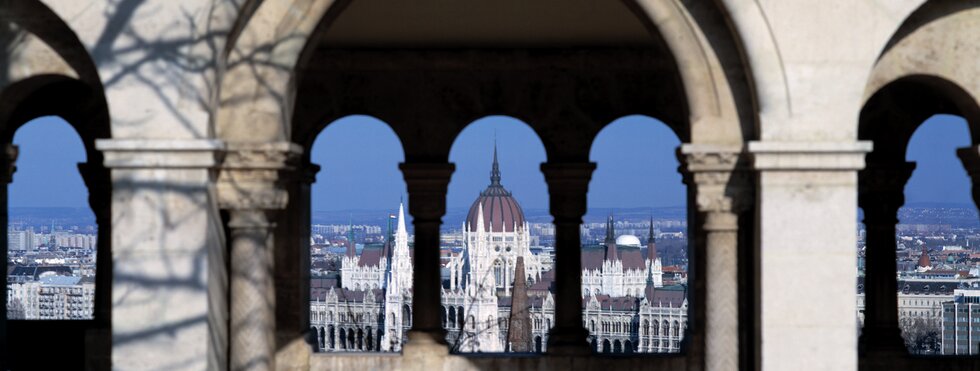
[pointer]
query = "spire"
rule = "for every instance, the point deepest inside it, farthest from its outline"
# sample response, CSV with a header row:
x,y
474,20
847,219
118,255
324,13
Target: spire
x,y
350,237
611,253
401,219
610,232
495,169
519,329
652,242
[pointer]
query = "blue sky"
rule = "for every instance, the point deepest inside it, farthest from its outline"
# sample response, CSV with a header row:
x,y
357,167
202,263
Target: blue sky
x,y
360,156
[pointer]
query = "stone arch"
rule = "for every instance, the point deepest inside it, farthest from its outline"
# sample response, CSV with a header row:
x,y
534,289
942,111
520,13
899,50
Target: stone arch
x,y
271,41
343,338
262,92
47,72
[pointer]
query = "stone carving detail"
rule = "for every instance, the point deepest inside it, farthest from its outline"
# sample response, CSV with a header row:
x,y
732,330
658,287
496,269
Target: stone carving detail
x,y
251,176
720,181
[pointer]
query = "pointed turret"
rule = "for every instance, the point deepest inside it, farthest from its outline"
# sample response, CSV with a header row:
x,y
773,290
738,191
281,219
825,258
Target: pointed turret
x,y
611,253
401,220
479,219
519,328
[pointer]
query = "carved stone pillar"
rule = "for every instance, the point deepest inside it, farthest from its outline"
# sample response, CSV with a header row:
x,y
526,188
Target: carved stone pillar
x,y
720,193
250,189
881,194
427,183
568,185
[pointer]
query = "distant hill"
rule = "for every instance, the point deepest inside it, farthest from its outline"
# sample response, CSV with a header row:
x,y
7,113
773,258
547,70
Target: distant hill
x,y
80,216
456,215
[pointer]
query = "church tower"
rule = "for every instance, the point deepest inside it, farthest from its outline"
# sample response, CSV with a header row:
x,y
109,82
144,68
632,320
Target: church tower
x,y
610,242
655,270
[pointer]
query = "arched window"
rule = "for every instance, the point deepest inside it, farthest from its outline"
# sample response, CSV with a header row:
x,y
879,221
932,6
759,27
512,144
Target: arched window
x,y
498,160
353,252
51,231
452,317
343,339
635,155
459,313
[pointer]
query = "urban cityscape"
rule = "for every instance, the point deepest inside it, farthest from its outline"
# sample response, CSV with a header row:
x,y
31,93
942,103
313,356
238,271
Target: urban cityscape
x,y
50,263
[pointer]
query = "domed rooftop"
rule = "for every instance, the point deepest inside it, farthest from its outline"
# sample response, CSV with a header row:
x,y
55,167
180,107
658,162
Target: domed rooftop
x,y
628,240
500,210
924,258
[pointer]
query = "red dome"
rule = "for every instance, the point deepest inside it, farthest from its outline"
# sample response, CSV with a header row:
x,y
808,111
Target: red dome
x,y
924,258
500,209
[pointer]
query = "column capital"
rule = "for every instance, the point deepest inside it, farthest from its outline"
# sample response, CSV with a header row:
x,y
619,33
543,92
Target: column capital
x,y
251,174
427,184
10,153
970,157
568,186
881,189
720,177
305,174
809,156
160,153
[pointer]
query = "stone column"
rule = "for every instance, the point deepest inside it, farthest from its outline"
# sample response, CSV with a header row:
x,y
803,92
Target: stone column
x,y
292,285
806,258
881,194
167,297
8,161
250,188
427,183
720,187
98,339
568,185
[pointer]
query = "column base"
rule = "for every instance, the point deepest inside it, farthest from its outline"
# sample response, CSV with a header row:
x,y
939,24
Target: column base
x,y
427,342
885,342
569,342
